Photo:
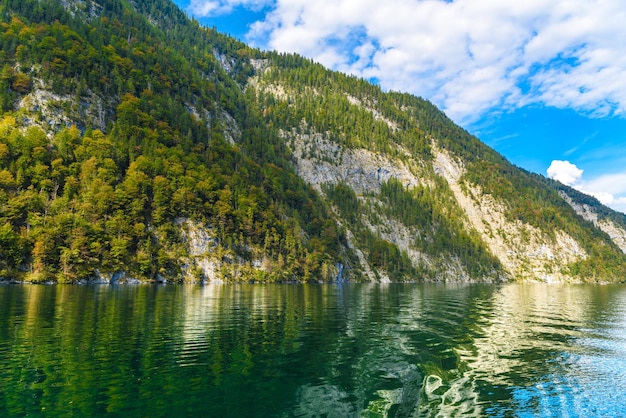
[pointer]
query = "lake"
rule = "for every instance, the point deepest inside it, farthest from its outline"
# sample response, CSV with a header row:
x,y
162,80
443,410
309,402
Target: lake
x,y
350,350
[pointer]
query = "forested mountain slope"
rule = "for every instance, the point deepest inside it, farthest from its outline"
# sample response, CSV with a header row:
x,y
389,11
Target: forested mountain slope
x,y
137,145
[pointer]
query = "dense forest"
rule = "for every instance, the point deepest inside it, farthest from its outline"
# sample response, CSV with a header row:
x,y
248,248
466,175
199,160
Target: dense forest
x,y
404,127
87,196
124,122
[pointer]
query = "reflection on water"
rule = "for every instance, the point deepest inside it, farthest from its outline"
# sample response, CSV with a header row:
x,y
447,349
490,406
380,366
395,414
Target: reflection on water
x,y
397,350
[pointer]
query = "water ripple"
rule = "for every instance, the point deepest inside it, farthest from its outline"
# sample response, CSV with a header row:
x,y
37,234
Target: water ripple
x,y
305,351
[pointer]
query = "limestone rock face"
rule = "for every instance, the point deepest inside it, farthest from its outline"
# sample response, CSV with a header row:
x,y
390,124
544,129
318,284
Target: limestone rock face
x,y
612,229
324,159
525,251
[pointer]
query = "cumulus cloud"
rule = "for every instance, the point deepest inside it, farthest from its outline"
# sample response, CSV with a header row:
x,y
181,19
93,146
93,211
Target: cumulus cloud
x,y
609,189
619,204
565,172
467,56
210,8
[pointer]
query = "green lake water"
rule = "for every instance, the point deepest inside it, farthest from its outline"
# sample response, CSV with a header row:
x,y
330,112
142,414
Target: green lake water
x,y
351,350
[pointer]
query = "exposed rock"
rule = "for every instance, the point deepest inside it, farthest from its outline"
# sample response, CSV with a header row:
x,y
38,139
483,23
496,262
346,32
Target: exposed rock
x,y
320,161
201,263
118,277
232,131
524,251
259,64
377,115
58,111
339,278
226,62
617,234
367,269
85,8
207,261
199,239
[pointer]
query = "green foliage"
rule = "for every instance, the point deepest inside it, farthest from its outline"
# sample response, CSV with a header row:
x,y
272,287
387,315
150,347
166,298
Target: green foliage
x,y
535,200
318,100
166,126
432,212
381,254
83,199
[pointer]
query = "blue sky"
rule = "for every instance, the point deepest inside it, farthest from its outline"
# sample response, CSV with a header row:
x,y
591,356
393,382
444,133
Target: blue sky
x,y
541,81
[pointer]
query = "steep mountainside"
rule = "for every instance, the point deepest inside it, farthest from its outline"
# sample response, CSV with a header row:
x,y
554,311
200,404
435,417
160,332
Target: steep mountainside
x,y
137,145
452,205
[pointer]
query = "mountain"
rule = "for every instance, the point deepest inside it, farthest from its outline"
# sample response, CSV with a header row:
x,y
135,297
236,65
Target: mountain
x,y
136,145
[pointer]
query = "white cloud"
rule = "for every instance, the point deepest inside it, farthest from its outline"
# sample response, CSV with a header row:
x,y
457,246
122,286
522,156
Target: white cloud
x,y
619,204
468,56
206,8
611,183
609,189
565,172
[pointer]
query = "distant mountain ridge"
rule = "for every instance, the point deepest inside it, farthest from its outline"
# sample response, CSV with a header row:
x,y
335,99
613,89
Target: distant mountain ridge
x,y
136,145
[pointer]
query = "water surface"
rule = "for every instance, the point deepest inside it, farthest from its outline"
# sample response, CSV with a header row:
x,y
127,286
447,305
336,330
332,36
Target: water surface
x,y
400,350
